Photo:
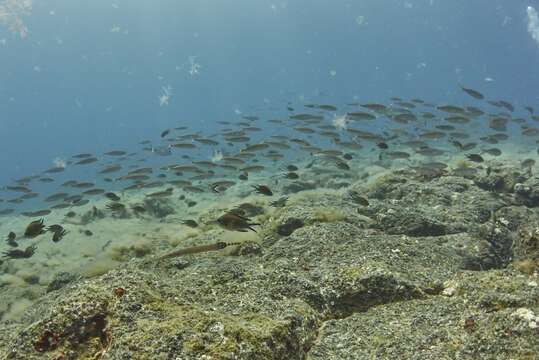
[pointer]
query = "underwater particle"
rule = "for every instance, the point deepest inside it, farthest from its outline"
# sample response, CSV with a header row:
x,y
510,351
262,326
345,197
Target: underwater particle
x,y
340,122
194,67
533,23
59,165
12,13
360,20
166,93
217,156
333,72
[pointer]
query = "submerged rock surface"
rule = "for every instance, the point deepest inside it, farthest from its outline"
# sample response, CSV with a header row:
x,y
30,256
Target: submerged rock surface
x,y
395,279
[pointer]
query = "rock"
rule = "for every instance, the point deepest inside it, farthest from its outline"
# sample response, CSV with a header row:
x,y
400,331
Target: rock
x,y
289,226
502,180
60,280
413,223
522,189
352,282
158,208
248,248
414,329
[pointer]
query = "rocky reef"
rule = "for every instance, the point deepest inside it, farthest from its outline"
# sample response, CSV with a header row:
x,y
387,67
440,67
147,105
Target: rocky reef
x,y
437,269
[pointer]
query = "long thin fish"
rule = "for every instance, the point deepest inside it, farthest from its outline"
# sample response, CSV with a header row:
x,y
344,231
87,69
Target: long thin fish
x,y
197,249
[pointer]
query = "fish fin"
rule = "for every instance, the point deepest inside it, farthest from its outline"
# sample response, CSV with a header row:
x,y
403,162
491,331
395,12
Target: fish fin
x,y
250,228
241,217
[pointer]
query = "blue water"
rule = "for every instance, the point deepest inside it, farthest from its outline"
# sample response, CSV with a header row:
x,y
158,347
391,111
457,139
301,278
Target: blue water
x,y
72,85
